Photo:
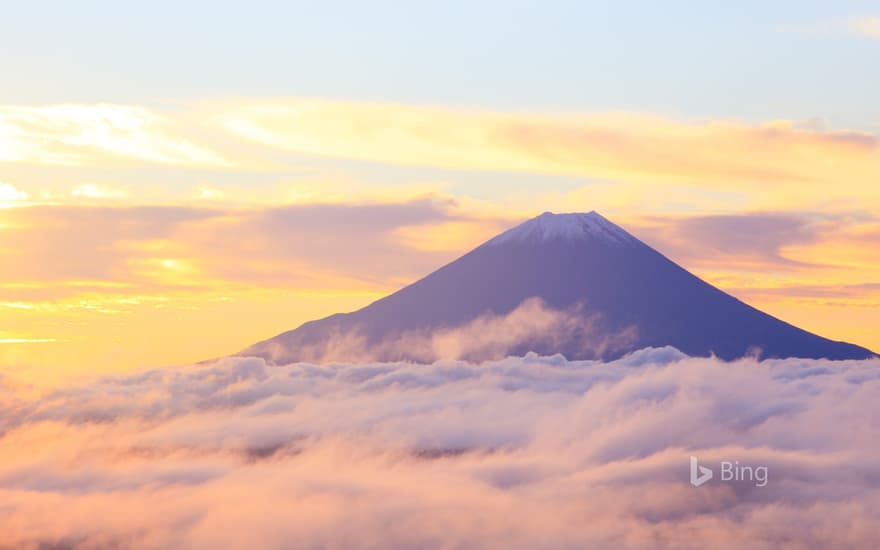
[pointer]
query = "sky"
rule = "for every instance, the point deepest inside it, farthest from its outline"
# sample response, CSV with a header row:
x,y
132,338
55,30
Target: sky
x,y
180,181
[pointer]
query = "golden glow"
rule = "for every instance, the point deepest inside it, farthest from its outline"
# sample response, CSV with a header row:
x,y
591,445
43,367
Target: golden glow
x,y
106,267
93,191
10,196
92,333
773,161
186,297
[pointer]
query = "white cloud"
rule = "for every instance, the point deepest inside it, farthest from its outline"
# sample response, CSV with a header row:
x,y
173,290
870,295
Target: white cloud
x,y
86,134
94,191
8,193
518,453
489,336
207,193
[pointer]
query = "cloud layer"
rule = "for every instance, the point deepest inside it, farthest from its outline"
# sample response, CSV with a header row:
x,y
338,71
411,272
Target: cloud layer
x,y
522,453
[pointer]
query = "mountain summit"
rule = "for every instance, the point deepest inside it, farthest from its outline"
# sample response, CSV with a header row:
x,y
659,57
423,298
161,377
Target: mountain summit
x,y
575,284
568,227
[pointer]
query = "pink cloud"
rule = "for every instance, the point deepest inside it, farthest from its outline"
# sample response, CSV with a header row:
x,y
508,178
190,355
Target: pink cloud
x,y
518,452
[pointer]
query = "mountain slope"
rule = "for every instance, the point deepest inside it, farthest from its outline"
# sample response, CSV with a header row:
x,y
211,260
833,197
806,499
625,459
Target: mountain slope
x,y
614,294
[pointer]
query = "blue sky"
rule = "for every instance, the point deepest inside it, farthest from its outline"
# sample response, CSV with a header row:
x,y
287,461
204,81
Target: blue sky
x,y
747,60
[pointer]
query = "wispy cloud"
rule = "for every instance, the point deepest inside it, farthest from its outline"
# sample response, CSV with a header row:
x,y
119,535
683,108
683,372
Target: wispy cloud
x,y
532,325
756,240
97,134
768,164
772,158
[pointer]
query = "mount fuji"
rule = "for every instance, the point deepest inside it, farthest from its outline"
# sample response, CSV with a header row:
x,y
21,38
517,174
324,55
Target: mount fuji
x,y
575,284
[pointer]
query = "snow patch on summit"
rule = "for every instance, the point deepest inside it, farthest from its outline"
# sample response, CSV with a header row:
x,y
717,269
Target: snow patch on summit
x,y
569,227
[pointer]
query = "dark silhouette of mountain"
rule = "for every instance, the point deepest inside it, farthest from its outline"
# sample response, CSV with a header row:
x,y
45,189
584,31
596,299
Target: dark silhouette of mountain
x,y
617,294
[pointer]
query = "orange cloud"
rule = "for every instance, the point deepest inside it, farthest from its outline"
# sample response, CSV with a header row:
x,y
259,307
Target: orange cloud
x,y
103,281
631,157
771,160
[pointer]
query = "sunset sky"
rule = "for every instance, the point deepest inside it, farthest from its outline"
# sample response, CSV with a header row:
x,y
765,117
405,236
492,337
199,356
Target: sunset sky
x,y
181,180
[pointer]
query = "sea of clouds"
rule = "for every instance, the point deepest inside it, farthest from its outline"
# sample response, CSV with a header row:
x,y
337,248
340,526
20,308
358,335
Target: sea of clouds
x,y
529,452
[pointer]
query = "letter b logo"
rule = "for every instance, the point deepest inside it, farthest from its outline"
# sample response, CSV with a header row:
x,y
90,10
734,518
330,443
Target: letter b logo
x,y
699,474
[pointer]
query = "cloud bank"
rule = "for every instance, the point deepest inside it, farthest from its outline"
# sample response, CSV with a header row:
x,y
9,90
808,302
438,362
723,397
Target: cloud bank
x,y
520,452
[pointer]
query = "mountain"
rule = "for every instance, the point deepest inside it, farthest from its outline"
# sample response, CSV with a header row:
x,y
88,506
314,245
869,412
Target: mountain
x,y
574,284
